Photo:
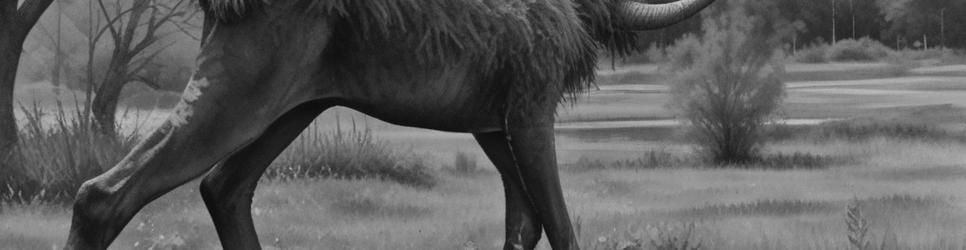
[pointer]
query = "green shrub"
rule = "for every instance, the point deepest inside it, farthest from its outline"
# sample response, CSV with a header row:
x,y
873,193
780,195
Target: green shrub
x,y
814,54
909,54
728,80
351,154
862,50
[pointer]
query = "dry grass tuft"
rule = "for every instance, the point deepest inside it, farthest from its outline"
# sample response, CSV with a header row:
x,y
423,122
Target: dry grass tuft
x,y
350,154
857,226
52,160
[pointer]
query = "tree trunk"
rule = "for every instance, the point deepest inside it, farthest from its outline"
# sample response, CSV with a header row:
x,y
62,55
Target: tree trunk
x,y
834,39
15,23
104,105
10,47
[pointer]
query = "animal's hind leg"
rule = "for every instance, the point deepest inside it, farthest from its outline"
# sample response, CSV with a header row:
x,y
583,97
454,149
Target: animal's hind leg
x,y
531,139
228,189
522,226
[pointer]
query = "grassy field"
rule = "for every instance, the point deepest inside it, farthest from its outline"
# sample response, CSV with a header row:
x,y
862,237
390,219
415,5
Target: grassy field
x,y
895,144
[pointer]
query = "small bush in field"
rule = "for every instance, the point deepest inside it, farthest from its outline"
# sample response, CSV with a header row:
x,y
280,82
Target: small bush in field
x,y
52,160
351,154
727,82
864,49
814,54
463,163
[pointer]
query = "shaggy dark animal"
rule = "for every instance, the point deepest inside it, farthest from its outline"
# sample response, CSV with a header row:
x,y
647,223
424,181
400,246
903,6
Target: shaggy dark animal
x,y
493,68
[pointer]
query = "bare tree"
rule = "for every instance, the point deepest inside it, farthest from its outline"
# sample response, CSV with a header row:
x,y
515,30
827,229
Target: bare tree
x,y
852,14
834,39
135,31
942,30
15,23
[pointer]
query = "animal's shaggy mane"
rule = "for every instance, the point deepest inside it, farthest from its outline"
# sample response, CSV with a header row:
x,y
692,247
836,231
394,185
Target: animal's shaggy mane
x,y
537,48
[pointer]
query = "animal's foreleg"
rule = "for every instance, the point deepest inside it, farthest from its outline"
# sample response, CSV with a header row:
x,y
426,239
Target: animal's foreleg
x,y
532,143
203,130
522,226
228,189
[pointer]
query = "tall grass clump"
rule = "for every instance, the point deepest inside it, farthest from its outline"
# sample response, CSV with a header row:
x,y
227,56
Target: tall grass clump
x,y
857,226
683,239
660,237
54,156
349,154
653,159
727,83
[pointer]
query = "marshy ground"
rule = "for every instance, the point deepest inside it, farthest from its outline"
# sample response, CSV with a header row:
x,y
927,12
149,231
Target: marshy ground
x,y
891,140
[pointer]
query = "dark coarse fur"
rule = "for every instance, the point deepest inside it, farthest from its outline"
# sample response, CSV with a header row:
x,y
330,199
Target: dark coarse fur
x,y
535,51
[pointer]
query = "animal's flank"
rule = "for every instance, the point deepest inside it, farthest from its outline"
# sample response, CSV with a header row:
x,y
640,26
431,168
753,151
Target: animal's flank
x,y
533,49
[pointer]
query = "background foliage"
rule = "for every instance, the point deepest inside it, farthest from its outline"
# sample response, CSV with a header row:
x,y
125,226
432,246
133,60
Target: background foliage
x,y
896,23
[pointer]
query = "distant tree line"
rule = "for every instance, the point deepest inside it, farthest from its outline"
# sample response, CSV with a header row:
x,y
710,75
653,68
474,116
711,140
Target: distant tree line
x,y
899,24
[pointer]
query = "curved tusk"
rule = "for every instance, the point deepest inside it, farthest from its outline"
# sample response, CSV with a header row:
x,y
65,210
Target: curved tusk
x,y
644,16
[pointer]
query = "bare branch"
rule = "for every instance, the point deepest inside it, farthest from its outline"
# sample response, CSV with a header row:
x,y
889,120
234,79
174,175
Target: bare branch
x,y
110,24
148,82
